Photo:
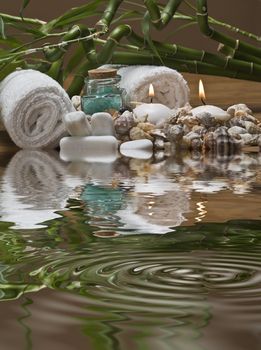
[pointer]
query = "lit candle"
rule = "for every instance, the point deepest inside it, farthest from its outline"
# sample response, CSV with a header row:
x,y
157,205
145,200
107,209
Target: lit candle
x,y
151,93
154,113
218,113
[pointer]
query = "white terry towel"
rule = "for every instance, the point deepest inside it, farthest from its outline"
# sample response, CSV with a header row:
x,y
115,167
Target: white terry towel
x,y
32,106
170,87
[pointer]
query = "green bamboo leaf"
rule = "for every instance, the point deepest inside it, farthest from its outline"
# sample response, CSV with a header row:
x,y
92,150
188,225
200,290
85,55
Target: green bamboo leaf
x,y
127,15
10,42
6,56
75,61
24,5
25,29
146,25
10,67
180,28
2,28
74,15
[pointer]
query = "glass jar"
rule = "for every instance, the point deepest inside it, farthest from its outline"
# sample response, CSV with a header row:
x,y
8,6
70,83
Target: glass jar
x,y
102,92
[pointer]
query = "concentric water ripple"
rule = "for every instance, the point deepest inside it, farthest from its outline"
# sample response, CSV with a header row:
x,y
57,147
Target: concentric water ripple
x,y
175,284
156,281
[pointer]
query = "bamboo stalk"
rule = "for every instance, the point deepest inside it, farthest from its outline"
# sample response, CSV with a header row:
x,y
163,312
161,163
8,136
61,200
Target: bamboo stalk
x,y
210,32
161,18
109,14
181,65
133,58
104,56
76,85
55,53
112,41
180,52
42,66
227,25
228,51
243,60
56,71
234,29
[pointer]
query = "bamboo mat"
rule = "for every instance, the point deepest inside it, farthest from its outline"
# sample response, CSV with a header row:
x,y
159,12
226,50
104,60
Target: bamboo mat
x,y
220,91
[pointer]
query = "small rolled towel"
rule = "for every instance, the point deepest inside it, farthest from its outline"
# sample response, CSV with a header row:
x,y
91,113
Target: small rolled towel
x,y
32,106
170,87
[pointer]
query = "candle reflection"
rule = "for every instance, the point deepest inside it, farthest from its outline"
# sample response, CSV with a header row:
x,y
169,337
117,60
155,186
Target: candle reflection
x,y
201,208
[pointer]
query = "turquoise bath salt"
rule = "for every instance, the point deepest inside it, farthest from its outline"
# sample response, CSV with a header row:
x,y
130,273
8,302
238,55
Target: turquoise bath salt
x,y
93,104
102,92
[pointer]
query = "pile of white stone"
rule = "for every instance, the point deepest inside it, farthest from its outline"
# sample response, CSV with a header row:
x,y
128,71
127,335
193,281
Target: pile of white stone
x,y
94,139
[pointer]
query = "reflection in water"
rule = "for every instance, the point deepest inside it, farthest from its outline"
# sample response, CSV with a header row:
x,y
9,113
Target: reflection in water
x,y
128,196
22,321
160,291
31,190
195,287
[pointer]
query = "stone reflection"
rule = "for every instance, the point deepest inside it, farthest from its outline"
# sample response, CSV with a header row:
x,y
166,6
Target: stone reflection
x,y
212,174
154,196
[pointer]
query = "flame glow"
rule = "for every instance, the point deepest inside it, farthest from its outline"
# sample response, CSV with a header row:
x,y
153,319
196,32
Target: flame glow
x,y
151,91
201,91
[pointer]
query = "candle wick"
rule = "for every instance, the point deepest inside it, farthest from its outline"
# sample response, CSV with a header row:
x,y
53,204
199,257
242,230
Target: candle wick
x,y
151,99
203,102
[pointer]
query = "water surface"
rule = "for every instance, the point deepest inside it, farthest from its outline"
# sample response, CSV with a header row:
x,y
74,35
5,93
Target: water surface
x,y
155,254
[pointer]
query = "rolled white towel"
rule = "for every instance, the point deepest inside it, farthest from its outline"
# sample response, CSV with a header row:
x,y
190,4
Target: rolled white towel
x,y
170,87
32,106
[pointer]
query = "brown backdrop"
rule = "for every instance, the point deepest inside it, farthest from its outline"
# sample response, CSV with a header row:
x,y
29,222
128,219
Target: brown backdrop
x,y
241,13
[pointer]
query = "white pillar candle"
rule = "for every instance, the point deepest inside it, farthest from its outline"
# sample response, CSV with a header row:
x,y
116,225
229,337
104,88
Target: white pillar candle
x,y
218,113
156,113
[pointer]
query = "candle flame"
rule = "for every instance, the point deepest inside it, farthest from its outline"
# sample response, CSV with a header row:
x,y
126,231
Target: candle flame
x,y
201,92
151,91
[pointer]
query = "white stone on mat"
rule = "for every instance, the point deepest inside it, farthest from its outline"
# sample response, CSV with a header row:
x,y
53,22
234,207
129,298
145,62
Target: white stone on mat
x,y
90,149
141,149
77,124
76,101
102,124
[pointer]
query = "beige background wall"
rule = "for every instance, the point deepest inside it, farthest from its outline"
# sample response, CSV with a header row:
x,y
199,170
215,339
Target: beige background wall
x,y
245,14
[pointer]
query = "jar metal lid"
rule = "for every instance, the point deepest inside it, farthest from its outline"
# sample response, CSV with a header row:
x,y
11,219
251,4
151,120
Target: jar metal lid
x,y
102,73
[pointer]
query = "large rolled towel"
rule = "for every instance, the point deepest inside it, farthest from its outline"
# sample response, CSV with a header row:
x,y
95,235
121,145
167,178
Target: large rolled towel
x,y
32,106
170,87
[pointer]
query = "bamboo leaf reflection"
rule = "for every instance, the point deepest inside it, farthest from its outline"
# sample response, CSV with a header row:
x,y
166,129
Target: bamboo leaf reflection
x,y
22,321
